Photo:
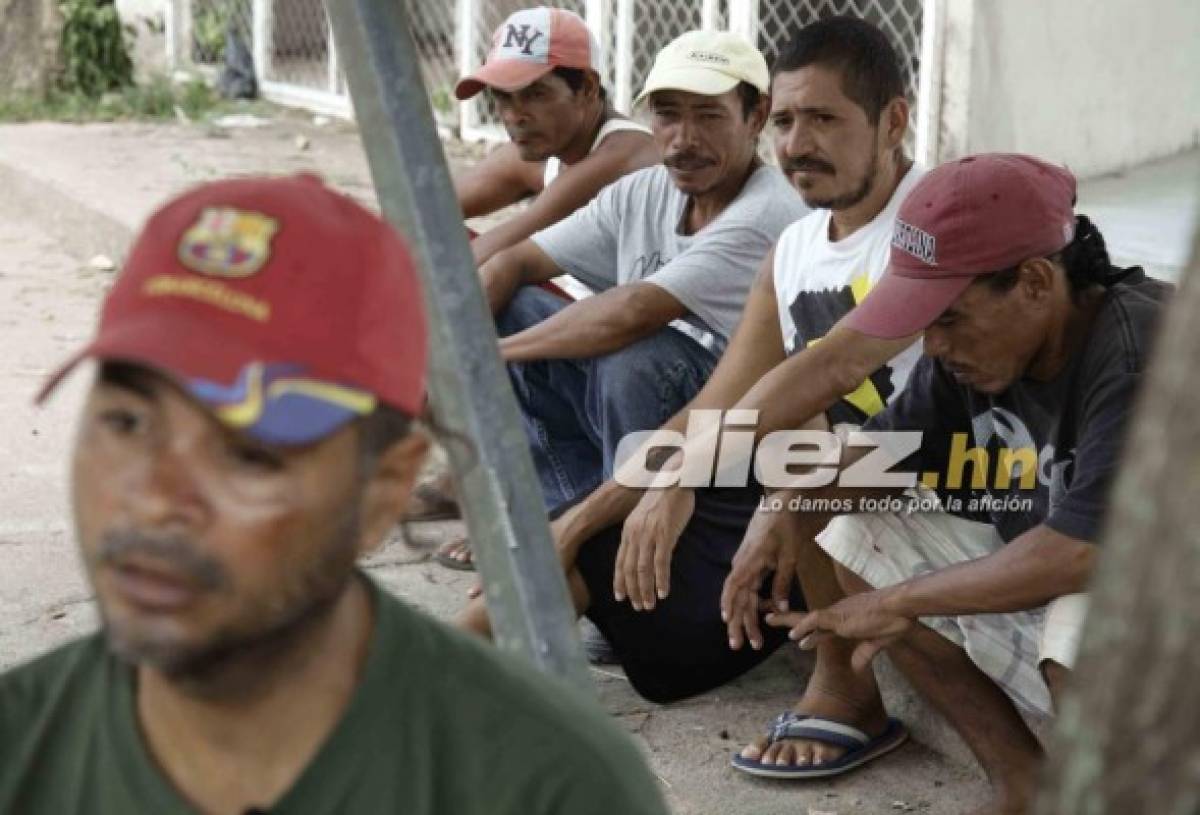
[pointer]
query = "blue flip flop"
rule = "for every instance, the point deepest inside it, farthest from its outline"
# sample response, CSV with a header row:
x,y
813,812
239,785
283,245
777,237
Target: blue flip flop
x,y
860,748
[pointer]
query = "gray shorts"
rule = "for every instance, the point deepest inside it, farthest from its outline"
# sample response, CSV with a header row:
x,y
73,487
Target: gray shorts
x,y
888,548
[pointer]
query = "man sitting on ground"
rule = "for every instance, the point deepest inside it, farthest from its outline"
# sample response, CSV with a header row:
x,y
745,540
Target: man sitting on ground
x,y
248,437
672,251
838,117
1034,349
566,141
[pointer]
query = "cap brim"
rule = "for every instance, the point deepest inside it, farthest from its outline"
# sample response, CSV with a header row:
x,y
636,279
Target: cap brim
x,y
506,74
899,306
272,403
692,80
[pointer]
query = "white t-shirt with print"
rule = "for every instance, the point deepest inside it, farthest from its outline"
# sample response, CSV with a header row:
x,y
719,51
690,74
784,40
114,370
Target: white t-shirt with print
x,y
818,281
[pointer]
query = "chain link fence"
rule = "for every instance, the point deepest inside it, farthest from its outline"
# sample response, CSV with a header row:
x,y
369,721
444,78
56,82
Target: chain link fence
x,y
295,60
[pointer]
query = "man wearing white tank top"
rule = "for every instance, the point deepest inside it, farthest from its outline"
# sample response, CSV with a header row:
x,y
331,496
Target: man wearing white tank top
x,y
567,142
651,575
543,76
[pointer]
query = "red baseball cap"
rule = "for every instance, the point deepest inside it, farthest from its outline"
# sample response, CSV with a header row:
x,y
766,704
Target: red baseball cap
x,y
285,307
970,217
530,44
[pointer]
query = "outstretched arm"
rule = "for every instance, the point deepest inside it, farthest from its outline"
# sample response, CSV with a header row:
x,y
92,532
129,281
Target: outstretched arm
x,y
756,346
501,179
577,184
596,325
521,265
1035,568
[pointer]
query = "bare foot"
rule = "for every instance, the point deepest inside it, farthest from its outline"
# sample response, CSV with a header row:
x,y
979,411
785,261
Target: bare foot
x,y
854,701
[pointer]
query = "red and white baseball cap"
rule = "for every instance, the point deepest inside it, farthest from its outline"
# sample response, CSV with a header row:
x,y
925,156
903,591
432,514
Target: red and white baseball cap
x,y
966,218
530,44
283,306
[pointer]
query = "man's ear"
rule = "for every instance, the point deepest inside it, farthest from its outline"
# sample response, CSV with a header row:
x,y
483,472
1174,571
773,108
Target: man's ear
x,y
1036,278
590,88
762,110
893,120
388,487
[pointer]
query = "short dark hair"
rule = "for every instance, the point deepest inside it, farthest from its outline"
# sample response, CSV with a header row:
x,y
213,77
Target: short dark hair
x,y
872,75
574,79
750,97
379,430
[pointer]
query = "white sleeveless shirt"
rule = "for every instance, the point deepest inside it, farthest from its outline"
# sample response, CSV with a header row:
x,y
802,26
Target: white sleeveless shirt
x,y
613,125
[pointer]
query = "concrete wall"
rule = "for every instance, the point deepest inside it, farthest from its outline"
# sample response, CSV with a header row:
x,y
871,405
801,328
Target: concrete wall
x,y
1100,86
29,44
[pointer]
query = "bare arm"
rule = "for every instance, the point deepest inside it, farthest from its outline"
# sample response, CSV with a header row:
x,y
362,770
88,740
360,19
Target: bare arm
x,y
596,325
509,270
620,153
756,346
1036,567
501,179
1029,572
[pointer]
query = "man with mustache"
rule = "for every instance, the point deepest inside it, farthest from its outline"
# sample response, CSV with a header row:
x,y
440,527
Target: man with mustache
x,y
1035,346
650,575
671,252
566,141
249,435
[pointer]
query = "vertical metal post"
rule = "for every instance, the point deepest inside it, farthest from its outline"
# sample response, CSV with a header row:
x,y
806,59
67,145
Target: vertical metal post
x,y
929,83
262,37
624,81
334,66
595,18
464,37
743,19
526,591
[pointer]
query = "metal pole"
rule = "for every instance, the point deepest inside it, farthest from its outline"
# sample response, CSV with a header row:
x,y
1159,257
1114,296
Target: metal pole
x,y
262,36
464,41
624,91
929,83
526,591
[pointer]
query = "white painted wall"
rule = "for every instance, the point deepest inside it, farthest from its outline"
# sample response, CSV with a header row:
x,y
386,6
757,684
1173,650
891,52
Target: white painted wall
x,y
1100,85
140,8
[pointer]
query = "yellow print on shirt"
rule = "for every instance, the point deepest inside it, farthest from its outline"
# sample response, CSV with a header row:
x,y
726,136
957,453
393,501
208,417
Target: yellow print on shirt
x,y
866,396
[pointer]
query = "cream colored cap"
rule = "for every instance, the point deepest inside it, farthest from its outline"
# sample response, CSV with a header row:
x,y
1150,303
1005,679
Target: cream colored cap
x,y
708,63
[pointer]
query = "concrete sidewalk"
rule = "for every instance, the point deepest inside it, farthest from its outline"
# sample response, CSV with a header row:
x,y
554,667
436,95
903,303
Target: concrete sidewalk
x,y
74,192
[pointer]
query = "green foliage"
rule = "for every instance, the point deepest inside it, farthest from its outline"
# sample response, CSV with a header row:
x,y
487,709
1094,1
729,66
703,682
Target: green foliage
x,y
95,57
209,21
157,99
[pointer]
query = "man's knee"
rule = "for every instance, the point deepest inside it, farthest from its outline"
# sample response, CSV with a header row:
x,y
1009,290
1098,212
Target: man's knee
x,y
848,581
529,306
650,369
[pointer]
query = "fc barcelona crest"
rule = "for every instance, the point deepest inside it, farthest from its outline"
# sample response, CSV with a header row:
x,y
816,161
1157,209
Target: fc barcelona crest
x,y
227,242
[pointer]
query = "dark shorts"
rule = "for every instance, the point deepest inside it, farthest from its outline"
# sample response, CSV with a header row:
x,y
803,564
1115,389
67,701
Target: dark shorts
x,y
681,648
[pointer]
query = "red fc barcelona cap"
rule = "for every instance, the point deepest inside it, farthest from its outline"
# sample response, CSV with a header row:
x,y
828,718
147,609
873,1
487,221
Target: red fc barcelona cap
x,y
530,44
284,306
978,215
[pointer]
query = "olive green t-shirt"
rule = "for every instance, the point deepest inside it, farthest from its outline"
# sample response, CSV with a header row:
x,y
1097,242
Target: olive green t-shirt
x,y
440,725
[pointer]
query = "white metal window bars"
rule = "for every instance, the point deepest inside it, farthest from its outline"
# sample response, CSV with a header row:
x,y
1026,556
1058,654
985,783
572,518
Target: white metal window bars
x,y
297,63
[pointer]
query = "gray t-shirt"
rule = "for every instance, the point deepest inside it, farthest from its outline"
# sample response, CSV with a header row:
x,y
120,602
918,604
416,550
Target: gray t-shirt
x,y
631,231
